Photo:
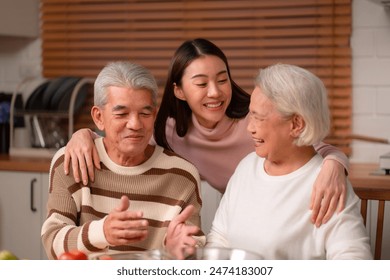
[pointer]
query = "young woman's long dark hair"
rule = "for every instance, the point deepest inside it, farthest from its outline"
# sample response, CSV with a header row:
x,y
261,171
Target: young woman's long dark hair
x,y
178,109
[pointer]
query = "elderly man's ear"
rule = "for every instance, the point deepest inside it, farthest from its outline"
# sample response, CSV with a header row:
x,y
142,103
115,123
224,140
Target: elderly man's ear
x,y
97,117
298,124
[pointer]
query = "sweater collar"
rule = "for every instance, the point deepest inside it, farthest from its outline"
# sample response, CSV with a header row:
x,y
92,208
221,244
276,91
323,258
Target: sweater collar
x,y
126,170
222,129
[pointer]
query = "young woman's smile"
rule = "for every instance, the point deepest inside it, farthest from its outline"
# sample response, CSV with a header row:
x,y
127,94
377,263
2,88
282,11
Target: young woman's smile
x,y
206,88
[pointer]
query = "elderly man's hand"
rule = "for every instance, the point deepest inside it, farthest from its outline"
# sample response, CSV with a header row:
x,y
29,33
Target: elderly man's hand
x,y
123,227
179,239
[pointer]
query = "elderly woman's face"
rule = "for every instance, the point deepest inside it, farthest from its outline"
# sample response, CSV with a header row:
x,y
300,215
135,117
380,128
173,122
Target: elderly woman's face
x,y
271,132
127,120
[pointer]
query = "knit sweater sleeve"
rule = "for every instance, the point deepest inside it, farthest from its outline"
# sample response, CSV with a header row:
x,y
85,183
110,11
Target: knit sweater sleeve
x,y
61,231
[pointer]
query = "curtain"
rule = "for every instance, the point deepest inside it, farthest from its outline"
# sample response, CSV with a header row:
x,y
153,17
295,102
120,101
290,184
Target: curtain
x,y
80,36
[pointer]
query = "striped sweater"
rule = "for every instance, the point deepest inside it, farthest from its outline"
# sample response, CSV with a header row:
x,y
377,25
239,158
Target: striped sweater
x,y
161,187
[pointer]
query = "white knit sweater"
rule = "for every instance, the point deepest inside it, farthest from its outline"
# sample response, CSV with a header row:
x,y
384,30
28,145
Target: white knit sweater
x,y
270,215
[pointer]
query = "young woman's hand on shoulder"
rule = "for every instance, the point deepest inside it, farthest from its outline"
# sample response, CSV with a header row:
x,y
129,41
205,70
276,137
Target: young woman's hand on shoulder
x,y
81,154
329,192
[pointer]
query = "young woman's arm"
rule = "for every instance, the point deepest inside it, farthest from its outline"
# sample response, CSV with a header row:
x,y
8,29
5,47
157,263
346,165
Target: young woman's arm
x,y
81,152
329,190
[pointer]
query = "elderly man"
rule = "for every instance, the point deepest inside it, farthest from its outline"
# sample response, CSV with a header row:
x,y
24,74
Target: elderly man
x,y
268,193
138,198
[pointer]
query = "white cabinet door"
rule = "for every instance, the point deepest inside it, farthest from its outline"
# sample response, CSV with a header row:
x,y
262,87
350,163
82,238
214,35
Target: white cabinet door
x,y
44,196
21,213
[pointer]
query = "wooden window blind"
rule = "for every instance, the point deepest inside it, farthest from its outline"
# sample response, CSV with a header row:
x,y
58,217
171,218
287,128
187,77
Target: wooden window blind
x,y
80,36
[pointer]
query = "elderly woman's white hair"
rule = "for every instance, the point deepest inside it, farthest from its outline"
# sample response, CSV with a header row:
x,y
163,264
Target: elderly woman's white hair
x,y
296,91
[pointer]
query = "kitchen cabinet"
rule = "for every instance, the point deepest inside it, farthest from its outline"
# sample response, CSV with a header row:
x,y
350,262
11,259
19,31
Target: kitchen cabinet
x,y
19,18
23,197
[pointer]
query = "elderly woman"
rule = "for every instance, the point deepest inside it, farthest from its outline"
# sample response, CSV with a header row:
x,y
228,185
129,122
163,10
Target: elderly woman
x,y
264,207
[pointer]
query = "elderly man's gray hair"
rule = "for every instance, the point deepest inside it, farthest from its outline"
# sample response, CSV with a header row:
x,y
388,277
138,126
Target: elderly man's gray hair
x,y
123,74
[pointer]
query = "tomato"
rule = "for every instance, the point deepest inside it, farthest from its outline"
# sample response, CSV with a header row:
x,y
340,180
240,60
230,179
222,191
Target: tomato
x,y
73,255
66,256
105,257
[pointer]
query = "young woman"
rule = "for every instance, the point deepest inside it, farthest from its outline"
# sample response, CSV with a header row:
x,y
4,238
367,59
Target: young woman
x,y
203,117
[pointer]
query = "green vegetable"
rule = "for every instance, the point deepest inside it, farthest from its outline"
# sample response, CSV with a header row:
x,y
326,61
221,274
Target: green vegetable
x,y
7,255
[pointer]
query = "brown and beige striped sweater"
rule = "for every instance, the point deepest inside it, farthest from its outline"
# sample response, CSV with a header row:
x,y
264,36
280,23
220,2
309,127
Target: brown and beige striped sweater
x,y
161,187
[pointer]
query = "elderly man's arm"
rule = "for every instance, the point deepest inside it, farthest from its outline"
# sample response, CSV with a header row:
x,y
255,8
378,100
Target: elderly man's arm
x,y
61,233
65,229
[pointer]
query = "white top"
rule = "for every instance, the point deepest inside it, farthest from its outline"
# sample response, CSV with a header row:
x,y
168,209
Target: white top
x,y
270,215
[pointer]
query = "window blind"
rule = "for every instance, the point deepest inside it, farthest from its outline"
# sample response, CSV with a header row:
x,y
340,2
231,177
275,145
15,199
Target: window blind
x,y
80,36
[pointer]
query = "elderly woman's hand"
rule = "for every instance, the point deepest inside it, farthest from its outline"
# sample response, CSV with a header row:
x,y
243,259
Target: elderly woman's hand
x,y
329,192
179,241
81,151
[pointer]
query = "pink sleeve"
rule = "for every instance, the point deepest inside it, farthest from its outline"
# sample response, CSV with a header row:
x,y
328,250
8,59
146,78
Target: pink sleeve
x,y
331,152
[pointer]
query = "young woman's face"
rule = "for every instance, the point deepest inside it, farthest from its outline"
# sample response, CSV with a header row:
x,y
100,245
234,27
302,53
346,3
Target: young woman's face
x,y
207,89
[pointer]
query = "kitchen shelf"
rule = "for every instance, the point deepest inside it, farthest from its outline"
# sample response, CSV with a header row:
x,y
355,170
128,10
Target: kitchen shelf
x,y
44,114
48,130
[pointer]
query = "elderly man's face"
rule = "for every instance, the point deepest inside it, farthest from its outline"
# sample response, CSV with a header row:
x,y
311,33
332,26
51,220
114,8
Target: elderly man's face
x,y
271,132
127,120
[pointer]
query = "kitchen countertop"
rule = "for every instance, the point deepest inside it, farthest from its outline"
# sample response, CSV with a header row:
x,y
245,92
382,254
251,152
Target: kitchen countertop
x,y
368,176
25,164
359,172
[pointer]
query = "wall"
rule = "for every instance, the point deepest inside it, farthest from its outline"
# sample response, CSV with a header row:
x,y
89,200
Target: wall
x,y
370,44
20,58
371,78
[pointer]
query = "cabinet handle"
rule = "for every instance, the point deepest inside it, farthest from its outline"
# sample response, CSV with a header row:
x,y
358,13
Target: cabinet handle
x,y
32,207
